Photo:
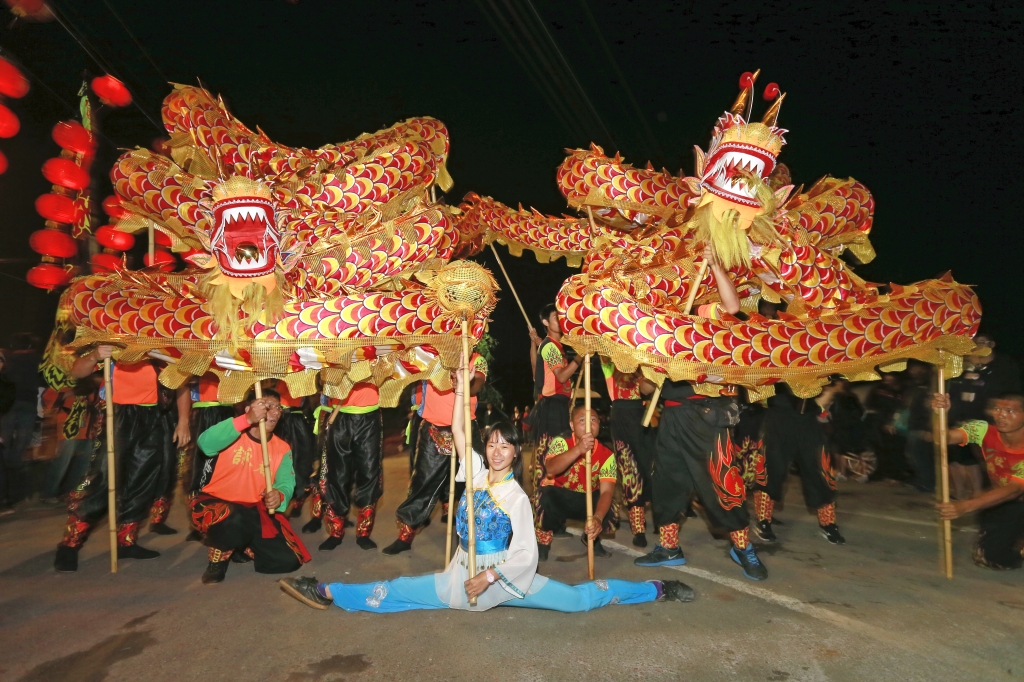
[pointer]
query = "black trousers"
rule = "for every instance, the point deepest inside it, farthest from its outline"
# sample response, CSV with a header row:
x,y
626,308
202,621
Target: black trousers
x,y
560,504
296,430
351,466
430,469
633,450
693,457
789,436
1001,536
549,417
199,467
234,527
144,452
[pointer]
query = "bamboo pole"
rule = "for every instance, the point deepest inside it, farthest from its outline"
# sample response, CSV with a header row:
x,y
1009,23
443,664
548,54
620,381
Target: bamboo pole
x,y
945,527
152,244
590,484
111,466
512,288
263,445
470,519
686,311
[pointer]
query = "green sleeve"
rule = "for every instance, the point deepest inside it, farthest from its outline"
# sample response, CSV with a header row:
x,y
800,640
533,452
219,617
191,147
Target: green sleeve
x,y
284,479
557,446
609,470
552,356
214,439
975,430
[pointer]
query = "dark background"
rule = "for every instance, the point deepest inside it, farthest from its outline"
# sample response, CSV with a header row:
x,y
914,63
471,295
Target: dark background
x,y
920,101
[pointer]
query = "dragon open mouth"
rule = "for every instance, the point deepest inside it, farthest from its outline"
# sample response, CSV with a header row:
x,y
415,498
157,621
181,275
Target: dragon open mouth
x,y
729,167
245,239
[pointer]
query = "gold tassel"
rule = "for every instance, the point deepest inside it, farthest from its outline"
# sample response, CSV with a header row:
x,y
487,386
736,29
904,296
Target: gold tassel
x,y
725,236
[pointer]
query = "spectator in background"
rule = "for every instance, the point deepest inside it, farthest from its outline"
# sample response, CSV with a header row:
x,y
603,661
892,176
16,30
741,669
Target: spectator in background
x,y
19,423
984,377
884,401
920,450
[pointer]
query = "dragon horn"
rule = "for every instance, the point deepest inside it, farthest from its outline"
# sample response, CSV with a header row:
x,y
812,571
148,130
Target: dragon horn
x,y
745,99
772,115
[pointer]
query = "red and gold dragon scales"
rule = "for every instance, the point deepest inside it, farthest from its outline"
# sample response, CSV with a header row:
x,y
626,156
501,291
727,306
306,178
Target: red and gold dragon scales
x,y
642,243
305,264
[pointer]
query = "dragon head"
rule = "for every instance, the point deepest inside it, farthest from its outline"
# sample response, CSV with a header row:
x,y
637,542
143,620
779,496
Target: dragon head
x,y
245,237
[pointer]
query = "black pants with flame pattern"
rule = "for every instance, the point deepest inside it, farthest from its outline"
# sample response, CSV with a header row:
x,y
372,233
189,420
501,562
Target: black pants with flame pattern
x,y
790,436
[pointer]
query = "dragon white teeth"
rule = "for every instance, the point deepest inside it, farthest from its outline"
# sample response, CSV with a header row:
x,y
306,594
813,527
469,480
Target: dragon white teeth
x,y
244,213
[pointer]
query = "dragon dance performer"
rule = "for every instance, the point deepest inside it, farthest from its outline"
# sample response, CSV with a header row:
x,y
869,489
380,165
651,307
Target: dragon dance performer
x,y
506,555
429,480
552,380
563,493
1001,507
632,443
207,410
352,458
146,442
694,455
296,430
793,429
232,509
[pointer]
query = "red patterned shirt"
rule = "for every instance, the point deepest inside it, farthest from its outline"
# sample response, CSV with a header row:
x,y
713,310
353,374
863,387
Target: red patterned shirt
x,y
602,467
1004,465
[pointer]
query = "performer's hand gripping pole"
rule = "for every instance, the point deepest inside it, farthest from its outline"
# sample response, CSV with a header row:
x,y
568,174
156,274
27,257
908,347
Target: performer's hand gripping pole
x,y
111,466
590,484
945,527
701,272
263,446
470,519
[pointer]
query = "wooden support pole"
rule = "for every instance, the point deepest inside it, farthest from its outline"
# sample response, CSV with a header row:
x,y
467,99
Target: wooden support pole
x,y
590,484
511,288
945,527
703,270
111,466
470,519
268,477
152,243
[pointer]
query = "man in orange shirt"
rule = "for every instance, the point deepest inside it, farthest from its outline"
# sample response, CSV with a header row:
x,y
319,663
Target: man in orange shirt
x,y
146,438
351,466
429,481
232,510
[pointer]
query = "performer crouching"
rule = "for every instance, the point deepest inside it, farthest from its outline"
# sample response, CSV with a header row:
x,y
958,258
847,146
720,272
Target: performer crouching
x,y
562,493
232,509
506,554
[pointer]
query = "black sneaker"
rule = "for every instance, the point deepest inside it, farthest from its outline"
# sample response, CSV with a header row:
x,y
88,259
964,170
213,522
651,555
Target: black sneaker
x,y
748,561
66,560
763,530
397,547
599,549
831,533
194,536
364,542
313,525
542,552
215,572
240,557
562,533
305,590
161,529
640,540
660,556
673,590
330,543
136,552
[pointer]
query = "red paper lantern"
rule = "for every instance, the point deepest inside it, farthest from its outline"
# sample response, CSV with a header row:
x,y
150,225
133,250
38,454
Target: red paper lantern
x,y
110,237
47,276
164,260
106,262
9,123
113,208
53,243
12,82
161,239
58,208
3,163
73,136
111,91
66,173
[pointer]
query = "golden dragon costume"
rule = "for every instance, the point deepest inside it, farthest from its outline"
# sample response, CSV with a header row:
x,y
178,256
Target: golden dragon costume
x,y
641,247
332,262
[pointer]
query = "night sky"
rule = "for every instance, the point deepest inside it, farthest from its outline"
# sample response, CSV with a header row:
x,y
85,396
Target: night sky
x,y
919,101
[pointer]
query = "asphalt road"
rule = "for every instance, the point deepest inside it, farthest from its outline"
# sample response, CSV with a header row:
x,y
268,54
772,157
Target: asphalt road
x,y
876,608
